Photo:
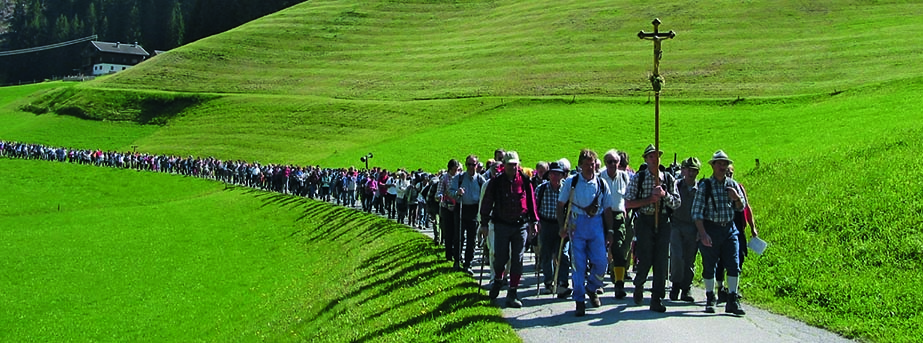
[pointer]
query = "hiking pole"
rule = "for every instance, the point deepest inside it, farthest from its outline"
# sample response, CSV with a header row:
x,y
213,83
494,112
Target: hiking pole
x,y
483,258
538,281
557,258
461,233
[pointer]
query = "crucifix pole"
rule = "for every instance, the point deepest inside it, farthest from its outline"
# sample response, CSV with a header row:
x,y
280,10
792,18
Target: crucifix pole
x,y
657,83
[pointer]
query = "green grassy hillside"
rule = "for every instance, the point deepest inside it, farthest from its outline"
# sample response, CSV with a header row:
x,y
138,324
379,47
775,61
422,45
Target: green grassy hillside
x,y
96,254
824,93
402,50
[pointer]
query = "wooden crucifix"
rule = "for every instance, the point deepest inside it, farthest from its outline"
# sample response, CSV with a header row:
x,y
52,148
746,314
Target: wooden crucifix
x,y
657,83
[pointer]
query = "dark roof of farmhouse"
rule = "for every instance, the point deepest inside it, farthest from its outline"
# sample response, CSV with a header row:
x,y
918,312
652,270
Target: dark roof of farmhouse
x,y
120,48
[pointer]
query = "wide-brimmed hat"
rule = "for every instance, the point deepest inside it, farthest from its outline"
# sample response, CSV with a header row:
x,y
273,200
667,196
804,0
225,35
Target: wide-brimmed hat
x,y
556,167
719,155
651,149
510,157
565,163
692,163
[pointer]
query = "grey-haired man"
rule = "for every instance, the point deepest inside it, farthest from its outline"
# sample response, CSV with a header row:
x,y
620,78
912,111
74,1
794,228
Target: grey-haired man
x,y
683,239
713,210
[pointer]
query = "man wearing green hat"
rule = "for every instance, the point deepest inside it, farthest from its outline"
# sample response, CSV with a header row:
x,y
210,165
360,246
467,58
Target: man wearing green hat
x,y
647,191
683,240
713,210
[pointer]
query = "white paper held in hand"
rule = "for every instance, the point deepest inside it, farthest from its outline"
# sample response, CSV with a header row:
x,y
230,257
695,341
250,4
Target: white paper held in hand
x,y
757,245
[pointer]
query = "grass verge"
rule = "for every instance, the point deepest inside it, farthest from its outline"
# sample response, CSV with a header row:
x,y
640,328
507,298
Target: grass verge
x,y
134,256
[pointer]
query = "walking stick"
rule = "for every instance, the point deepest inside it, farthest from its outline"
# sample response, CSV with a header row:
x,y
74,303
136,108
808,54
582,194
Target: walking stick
x,y
459,235
538,281
483,258
557,258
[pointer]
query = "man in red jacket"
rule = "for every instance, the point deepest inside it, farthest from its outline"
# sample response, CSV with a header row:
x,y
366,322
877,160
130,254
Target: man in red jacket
x,y
509,202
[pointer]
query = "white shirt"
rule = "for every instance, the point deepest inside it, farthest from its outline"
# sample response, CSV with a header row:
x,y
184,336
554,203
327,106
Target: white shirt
x,y
617,186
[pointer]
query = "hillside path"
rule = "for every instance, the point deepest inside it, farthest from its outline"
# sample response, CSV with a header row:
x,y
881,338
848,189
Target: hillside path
x,y
544,318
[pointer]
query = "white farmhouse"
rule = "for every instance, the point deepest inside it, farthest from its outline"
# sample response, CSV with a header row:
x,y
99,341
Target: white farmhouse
x,y
100,58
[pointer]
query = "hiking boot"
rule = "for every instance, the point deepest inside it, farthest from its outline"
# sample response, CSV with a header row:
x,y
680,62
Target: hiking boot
x,y
563,291
620,290
657,305
512,300
722,295
594,299
581,309
638,295
686,297
710,302
495,289
674,293
733,305
548,288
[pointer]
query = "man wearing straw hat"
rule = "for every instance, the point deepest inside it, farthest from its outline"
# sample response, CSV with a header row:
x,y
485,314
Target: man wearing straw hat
x,y
647,194
713,210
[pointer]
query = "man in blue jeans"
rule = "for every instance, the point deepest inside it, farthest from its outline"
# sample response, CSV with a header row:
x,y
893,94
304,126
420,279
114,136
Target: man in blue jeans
x,y
589,228
713,209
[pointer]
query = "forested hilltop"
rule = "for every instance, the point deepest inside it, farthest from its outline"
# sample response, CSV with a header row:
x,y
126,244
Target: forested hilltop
x,y
155,24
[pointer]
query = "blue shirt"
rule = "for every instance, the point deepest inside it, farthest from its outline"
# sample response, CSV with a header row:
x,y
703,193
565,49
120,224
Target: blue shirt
x,y
472,186
585,192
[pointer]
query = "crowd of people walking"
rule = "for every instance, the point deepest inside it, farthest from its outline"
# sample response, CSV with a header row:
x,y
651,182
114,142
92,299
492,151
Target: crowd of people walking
x,y
583,223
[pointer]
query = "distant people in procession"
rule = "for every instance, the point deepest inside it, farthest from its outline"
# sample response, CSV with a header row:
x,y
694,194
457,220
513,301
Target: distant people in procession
x,y
709,216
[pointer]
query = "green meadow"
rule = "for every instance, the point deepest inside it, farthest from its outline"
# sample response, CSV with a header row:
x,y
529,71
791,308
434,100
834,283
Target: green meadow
x,y
96,254
823,93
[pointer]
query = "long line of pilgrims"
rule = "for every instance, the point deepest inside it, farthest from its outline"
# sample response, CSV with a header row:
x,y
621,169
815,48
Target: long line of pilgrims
x,y
423,200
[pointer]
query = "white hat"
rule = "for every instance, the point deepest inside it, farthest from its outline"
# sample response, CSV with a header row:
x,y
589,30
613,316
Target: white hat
x,y
511,157
720,155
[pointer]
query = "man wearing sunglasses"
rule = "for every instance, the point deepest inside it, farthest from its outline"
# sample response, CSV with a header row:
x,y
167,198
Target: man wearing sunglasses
x,y
466,189
618,185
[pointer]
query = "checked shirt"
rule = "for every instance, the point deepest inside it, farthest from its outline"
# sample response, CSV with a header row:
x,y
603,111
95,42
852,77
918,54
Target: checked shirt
x,y
671,200
720,208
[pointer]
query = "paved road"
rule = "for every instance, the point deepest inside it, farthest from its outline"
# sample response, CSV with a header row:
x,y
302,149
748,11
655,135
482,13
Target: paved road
x,y
544,318
547,319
